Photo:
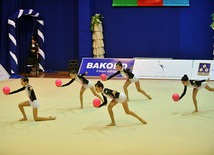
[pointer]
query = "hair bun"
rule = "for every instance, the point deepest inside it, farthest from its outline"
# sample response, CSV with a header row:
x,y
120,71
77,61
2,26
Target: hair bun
x,y
185,78
99,84
119,63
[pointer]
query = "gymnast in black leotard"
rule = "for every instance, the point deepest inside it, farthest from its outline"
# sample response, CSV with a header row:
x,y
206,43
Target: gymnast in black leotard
x,y
196,85
33,102
85,84
117,97
130,78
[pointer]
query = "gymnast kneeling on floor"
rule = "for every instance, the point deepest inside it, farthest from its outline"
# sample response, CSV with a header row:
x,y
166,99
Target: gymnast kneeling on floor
x,y
33,102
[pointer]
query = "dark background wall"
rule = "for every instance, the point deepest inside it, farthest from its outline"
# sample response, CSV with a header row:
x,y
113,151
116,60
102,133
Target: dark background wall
x,y
155,32
159,32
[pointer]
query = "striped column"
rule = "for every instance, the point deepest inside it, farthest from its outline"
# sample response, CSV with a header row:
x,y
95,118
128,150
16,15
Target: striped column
x,y
13,51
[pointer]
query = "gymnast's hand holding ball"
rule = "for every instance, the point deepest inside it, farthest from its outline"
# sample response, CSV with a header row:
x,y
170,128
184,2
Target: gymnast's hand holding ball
x,y
6,90
58,83
103,77
96,103
175,97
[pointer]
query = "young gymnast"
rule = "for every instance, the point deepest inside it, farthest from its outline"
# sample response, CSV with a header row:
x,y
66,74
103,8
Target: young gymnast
x,y
196,85
33,102
131,78
85,84
117,97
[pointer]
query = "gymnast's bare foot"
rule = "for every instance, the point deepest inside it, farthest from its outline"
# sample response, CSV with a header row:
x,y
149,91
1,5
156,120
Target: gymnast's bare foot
x,y
23,119
149,97
52,118
196,110
208,80
144,122
111,124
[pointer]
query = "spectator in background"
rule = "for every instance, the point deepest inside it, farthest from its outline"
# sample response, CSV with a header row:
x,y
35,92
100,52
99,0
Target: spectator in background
x,y
34,52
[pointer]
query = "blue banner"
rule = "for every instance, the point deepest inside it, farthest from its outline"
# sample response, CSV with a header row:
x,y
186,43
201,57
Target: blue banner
x,y
96,67
175,2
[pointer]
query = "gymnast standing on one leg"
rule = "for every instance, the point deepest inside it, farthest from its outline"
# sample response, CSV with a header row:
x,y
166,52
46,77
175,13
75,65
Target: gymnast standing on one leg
x,y
131,78
196,85
33,102
85,84
116,97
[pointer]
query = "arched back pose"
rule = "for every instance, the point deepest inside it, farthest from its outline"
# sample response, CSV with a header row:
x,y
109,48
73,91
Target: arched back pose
x,y
130,78
33,102
196,85
117,97
85,84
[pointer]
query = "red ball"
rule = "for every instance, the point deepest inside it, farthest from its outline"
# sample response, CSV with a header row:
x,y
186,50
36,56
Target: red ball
x,y
96,102
175,97
103,77
58,83
6,90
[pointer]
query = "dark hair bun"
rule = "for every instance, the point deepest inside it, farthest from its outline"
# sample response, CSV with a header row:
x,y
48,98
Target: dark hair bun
x,y
185,78
119,63
25,78
99,84
73,72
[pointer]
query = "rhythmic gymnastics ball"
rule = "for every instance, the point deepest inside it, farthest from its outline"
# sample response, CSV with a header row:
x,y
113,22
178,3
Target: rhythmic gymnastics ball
x,y
96,102
58,83
175,97
103,77
6,90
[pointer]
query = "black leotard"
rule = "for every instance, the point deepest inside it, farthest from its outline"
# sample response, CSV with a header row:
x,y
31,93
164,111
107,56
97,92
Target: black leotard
x,y
29,92
108,93
123,71
79,78
191,83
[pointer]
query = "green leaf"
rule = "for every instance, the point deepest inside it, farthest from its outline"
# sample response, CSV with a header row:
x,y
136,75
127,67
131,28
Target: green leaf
x,y
94,20
212,16
212,25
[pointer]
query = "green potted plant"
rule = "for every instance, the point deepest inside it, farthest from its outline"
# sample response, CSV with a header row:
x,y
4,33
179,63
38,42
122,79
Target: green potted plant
x,y
96,19
212,25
